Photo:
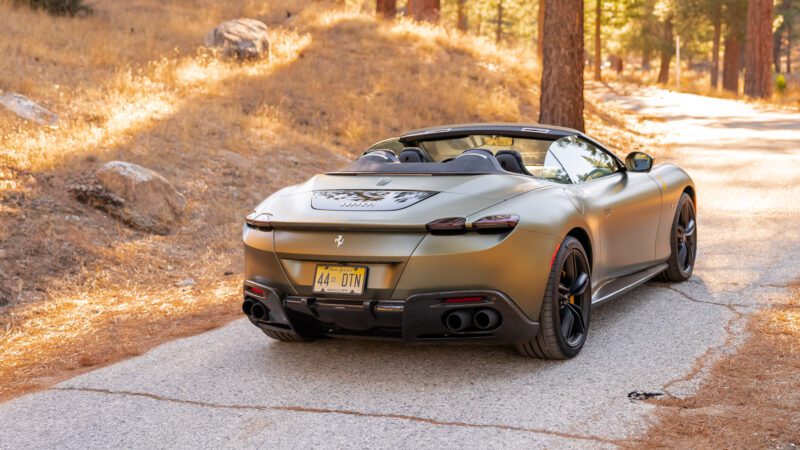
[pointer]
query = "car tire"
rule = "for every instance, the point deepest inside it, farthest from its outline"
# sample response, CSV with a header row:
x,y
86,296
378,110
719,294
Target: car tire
x,y
680,269
285,336
551,342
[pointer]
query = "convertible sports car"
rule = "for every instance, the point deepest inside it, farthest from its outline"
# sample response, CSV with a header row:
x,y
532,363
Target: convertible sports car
x,y
484,233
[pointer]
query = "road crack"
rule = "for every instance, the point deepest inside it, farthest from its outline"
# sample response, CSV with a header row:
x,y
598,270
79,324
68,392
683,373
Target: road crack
x,y
346,412
701,363
729,306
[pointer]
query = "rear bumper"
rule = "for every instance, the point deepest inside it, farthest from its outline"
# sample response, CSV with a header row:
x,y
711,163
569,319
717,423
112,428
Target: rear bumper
x,y
418,319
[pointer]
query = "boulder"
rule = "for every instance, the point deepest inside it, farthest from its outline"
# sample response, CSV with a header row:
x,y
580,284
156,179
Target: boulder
x,y
27,109
240,38
135,195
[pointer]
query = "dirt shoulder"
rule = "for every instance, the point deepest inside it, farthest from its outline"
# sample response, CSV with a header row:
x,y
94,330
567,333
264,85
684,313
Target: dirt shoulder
x,y
750,399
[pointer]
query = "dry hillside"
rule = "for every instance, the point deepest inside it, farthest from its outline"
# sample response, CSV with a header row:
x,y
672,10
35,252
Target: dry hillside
x,y
77,288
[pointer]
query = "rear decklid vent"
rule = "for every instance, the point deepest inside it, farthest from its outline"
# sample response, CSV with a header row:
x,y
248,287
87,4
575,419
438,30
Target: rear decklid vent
x,y
366,200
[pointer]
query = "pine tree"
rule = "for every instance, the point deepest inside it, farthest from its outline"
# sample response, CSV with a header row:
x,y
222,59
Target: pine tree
x,y
758,56
561,101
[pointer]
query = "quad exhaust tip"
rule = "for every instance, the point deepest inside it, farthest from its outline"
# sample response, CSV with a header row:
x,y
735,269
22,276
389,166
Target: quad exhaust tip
x,y
463,319
255,309
247,306
486,319
458,320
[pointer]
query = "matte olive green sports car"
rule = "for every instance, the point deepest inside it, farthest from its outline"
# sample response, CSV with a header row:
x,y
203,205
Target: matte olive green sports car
x,y
484,233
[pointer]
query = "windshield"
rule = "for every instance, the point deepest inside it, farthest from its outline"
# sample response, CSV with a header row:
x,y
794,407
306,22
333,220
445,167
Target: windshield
x,y
536,155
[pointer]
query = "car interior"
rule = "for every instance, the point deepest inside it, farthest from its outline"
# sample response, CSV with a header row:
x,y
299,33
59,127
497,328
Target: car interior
x,y
565,160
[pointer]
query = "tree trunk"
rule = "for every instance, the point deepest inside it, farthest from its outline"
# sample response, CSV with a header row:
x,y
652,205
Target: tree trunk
x,y
540,31
758,74
424,10
787,6
731,64
598,55
715,50
776,49
666,52
498,30
646,55
561,101
386,8
462,16
789,50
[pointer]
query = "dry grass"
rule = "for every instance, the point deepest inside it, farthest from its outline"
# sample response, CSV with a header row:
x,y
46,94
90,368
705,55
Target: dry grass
x,y
750,399
130,83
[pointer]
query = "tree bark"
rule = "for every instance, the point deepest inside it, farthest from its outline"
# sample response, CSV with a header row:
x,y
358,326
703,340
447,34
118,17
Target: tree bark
x,y
386,8
424,10
540,32
789,23
498,30
598,55
789,49
462,16
776,49
731,64
561,101
715,49
758,74
646,54
666,52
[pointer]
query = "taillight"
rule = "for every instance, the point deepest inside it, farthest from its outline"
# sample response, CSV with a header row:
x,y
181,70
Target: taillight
x,y
463,299
496,224
500,223
449,225
255,290
262,221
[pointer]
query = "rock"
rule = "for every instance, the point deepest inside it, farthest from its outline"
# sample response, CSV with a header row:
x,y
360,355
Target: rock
x,y
135,195
186,282
240,38
27,109
236,160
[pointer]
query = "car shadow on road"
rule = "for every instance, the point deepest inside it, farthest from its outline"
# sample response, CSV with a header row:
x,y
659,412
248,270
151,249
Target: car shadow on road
x,y
644,322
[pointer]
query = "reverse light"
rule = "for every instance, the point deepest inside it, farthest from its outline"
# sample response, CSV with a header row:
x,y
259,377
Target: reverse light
x,y
449,225
261,221
496,224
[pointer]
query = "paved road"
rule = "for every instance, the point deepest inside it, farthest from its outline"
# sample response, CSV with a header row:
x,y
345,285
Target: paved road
x,y
234,388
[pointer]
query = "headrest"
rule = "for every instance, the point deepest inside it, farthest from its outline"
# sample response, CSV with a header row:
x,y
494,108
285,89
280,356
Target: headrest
x,y
479,152
412,155
380,155
511,161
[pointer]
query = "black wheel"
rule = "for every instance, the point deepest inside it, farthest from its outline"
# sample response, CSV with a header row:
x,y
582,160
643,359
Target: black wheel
x,y
564,317
683,242
285,336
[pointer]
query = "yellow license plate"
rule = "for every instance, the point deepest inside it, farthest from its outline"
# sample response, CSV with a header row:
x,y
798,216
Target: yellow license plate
x,y
340,279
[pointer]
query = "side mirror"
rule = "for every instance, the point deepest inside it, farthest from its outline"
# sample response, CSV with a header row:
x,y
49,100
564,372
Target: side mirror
x,y
639,162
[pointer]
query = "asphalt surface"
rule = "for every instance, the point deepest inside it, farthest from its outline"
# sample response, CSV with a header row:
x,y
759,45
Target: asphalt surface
x,y
232,387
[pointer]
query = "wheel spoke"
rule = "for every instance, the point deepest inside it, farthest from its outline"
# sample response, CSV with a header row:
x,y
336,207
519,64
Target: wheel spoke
x,y
578,313
579,285
683,254
689,231
567,321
